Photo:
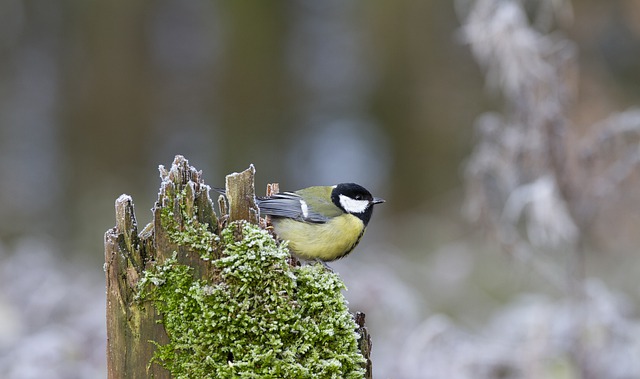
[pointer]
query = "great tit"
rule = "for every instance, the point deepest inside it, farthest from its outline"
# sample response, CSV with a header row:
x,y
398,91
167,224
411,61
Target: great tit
x,y
324,223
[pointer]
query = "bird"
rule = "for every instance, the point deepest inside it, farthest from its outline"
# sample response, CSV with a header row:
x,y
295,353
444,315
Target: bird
x,y
322,223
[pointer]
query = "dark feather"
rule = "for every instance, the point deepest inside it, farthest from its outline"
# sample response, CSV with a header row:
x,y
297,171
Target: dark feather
x,y
284,204
287,204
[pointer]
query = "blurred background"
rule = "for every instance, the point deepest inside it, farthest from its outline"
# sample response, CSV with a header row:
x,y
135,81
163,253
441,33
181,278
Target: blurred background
x,y
502,133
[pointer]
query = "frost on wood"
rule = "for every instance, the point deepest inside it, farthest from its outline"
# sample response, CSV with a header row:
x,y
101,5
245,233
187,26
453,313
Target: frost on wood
x,y
195,295
129,325
183,202
240,193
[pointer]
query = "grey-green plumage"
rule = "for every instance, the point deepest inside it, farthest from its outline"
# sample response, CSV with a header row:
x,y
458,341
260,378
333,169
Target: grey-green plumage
x,y
320,208
321,222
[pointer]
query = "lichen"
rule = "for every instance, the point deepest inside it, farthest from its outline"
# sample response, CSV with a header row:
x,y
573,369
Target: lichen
x,y
192,234
262,318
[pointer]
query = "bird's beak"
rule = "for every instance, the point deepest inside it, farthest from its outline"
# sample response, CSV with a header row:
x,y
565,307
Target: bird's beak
x,y
377,200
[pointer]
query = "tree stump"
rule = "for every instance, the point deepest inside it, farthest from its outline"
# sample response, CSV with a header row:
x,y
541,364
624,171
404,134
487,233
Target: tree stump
x,y
168,286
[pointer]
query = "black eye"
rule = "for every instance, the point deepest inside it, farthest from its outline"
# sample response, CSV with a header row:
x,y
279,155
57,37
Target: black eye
x,y
358,197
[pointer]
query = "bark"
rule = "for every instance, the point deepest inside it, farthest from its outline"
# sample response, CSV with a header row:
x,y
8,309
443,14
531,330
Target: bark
x,y
132,324
133,330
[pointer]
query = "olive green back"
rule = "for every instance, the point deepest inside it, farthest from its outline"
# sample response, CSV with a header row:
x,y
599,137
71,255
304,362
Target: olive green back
x,y
318,199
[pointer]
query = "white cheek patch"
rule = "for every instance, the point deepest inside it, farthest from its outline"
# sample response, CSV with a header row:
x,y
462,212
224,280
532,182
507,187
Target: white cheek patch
x,y
305,208
353,206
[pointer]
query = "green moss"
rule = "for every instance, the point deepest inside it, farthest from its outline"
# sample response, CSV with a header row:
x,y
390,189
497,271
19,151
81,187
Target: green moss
x,y
263,319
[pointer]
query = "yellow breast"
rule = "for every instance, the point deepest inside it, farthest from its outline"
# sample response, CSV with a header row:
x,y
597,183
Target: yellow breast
x,y
328,241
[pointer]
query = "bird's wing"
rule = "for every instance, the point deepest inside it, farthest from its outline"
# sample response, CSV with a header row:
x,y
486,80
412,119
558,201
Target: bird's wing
x,y
318,200
291,205
284,204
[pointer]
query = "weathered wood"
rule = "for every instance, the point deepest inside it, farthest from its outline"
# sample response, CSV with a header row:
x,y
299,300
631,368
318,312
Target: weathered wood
x,y
241,196
364,344
132,324
184,193
273,188
184,229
